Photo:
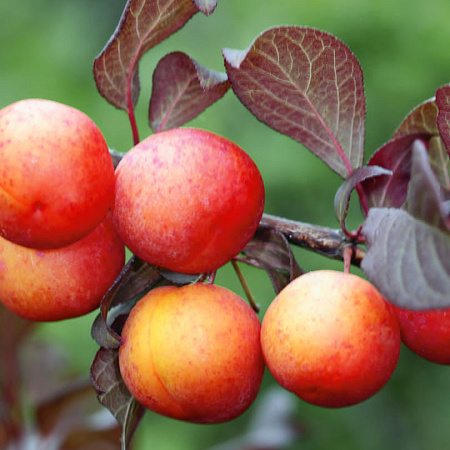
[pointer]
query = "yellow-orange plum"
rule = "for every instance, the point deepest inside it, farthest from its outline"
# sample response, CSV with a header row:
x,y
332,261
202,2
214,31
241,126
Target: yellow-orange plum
x,y
49,285
187,200
331,338
56,176
192,353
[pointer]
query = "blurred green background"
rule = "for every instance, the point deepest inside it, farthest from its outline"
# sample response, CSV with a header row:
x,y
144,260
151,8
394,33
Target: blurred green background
x,y
46,50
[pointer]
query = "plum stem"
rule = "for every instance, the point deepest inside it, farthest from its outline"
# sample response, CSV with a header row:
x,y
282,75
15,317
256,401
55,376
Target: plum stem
x,y
244,284
347,252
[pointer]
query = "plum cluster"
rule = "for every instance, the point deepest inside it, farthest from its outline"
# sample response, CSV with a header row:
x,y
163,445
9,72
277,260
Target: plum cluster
x,y
188,201
59,251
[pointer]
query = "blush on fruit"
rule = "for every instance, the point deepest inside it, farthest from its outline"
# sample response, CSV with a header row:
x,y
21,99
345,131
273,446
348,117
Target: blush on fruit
x,y
67,282
187,200
330,338
56,177
192,353
426,333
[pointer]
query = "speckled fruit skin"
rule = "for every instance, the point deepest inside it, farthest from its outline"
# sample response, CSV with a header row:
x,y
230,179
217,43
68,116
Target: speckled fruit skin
x,y
331,338
187,200
192,353
49,285
426,333
56,175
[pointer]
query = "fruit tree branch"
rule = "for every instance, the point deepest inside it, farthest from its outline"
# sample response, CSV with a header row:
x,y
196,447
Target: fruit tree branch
x,y
329,242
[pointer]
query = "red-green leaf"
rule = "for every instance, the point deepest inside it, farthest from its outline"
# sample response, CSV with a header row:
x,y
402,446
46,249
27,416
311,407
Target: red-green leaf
x,y
308,85
420,121
144,24
342,197
440,161
425,200
407,259
114,395
182,89
443,119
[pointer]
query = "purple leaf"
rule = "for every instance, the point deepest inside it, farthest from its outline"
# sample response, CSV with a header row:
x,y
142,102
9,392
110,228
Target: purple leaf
x,y
407,259
135,278
390,191
396,155
308,85
206,6
270,250
73,418
182,89
420,121
342,197
443,119
424,201
144,24
113,394
13,331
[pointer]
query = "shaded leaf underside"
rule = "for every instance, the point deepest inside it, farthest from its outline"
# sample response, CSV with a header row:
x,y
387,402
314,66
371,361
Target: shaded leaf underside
x,y
270,250
306,84
113,394
424,200
407,259
342,197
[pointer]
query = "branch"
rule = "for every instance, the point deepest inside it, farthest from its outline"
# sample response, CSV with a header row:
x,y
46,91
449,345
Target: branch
x,y
328,242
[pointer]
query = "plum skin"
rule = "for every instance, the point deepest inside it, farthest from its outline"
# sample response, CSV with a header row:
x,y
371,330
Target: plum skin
x,y
56,177
62,283
426,333
192,353
187,200
331,338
